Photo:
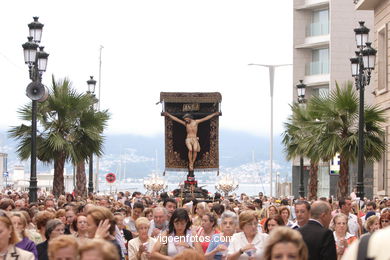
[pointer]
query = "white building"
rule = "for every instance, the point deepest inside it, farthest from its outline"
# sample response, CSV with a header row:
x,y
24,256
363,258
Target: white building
x,y
21,180
324,41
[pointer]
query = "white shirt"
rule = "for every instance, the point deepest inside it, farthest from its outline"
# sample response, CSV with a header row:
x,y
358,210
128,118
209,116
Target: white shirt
x,y
353,225
133,248
173,248
239,241
347,236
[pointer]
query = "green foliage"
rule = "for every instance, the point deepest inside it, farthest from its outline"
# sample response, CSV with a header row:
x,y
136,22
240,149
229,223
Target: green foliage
x,y
329,125
66,125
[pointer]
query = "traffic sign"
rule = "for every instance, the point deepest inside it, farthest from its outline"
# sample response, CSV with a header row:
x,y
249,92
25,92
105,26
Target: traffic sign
x,y
110,177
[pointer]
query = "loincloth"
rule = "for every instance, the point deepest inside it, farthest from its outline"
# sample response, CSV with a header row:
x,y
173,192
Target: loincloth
x,y
194,143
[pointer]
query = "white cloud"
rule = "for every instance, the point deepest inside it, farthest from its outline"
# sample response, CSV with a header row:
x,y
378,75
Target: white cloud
x,y
153,46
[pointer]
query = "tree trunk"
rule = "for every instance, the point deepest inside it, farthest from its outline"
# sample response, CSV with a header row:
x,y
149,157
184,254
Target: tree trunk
x,y
81,180
343,178
313,181
58,180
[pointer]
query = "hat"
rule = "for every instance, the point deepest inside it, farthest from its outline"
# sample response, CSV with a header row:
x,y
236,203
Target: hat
x,y
369,214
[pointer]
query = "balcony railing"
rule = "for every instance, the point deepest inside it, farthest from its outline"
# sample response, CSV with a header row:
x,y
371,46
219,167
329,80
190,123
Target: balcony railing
x,y
317,29
317,68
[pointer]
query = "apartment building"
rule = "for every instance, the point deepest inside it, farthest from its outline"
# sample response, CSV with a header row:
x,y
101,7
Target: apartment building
x,y
380,83
324,41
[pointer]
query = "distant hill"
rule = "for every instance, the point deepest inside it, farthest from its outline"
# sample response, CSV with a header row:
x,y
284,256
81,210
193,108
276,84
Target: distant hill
x,y
135,156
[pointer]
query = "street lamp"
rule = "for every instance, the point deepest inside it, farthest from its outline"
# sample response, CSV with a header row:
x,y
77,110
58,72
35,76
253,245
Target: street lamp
x,y
155,184
301,90
226,184
91,90
361,67
36,91
271,69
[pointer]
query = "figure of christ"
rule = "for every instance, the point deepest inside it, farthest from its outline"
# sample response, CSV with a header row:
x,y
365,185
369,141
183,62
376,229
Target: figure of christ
x,y
192,140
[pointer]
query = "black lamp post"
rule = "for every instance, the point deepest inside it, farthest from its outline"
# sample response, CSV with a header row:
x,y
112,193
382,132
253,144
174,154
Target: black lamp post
x,y
36,91
91,90
361,66
301,89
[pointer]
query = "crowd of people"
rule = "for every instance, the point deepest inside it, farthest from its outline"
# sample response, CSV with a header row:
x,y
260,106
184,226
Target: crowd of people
x,y
140,227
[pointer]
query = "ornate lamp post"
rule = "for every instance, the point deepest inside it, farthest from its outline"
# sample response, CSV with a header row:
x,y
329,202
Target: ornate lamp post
x,y
91,90
155,184
301,90
361,66
36,91
226,184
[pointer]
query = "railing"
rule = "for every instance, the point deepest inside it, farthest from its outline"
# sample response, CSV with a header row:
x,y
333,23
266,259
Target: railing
x,y
317,68
320,92
317,29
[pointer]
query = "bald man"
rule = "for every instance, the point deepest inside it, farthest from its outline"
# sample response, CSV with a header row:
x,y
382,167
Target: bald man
x,y
316,233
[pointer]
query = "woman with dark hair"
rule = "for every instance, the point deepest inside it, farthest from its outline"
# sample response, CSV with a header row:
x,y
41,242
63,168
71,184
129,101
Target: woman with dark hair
x,y
7,204
272,222
69,198
81,227
177,238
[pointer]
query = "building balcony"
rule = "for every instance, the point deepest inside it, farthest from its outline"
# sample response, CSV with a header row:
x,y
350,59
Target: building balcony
x,y
317,29
312,42
367,4
313,4
317,80
317,68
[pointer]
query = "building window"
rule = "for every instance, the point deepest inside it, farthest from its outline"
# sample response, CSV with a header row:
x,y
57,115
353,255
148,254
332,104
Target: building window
x,y
319,62
382,59
319,23
321,91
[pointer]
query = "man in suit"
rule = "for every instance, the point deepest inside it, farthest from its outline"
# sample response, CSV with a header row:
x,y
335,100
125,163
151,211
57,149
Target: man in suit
x,y
317,235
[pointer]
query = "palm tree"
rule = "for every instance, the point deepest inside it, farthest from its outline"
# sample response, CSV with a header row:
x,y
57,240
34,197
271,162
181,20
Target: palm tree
x,y
88,139
297,142
67,131
336,130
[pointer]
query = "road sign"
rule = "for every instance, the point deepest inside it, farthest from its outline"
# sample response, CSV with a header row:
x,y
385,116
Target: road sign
x,y
110,177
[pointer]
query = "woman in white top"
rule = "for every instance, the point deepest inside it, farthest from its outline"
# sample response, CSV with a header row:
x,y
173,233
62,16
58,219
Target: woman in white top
x,y
178,237
248,244
141,246
341,236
